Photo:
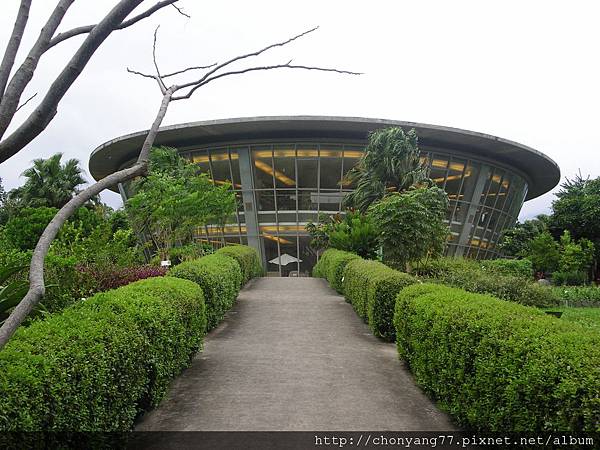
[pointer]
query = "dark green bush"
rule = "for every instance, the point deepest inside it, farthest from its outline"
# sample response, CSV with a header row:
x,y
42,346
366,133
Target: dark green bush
x,y
498,366
247,258
516,267
331,267
98,364
473,277
573,278
66,283
372,287
220,278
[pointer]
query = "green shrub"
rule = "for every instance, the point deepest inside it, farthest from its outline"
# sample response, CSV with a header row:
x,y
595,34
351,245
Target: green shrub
x,y
499,366
331,267
573,278
220,278
247,258
66,283
372,287
516,267
578,295
473,277
98,364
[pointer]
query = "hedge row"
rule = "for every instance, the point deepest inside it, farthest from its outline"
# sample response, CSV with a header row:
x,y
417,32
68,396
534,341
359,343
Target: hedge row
x,y
247,258
99,363
331,267
496,365
477,277
371,287
220,278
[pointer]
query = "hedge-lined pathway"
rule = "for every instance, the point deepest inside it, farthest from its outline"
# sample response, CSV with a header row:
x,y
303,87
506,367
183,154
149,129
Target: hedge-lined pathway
x,y
293,355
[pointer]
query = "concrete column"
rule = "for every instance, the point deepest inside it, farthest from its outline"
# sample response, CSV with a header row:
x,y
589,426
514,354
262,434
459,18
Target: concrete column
x,y
249,203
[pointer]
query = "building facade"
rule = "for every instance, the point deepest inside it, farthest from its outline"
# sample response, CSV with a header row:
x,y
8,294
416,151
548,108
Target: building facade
x,y
285,171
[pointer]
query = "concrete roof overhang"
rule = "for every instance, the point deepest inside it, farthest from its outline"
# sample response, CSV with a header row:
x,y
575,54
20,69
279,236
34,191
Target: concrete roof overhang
x,y
541,172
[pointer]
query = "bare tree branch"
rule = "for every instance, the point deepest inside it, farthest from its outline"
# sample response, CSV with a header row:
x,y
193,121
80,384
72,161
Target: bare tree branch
x,y
179,72
26,101
252,69
14,42
127,23
248,55
145,75
24,74
161,83
180,11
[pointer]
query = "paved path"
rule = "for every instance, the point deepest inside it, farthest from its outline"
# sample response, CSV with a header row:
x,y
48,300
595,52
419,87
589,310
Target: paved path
x,y
293,355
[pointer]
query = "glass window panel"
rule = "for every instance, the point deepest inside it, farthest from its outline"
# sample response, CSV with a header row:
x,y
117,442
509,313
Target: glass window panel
x,y
285,167
352,155
469,180
495,184
439,166
235,167
201,159
308,200
307,255
286,199
263,167
289,246
220,167
265,200
307,166
329,200
331,167
271,253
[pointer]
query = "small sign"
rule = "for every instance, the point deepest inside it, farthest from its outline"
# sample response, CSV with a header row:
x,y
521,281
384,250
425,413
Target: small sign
x,y
165,263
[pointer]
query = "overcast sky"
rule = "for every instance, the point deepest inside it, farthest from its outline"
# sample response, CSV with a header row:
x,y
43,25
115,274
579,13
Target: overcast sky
x,y
525,71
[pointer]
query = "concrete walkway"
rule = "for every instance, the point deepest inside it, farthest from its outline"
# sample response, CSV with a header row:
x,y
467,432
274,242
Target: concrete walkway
x,y
293,355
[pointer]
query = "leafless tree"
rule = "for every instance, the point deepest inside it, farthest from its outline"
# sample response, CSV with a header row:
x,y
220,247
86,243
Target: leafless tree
x,y
170,92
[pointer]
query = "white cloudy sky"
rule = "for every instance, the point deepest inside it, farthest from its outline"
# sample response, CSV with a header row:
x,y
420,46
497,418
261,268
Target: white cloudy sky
x,y
525,71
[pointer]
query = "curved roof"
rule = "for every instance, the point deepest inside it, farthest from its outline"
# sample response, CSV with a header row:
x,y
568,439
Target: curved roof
x,y
542,173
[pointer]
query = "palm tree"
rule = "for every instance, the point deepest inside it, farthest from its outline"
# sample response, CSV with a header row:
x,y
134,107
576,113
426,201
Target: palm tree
x,y
50,183
391,163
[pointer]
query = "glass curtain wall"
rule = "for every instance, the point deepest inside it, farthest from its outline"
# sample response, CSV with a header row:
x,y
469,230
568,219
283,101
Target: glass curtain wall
x,y
293,182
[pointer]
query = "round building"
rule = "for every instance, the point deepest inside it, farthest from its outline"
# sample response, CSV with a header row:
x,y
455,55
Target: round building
x,y
285,171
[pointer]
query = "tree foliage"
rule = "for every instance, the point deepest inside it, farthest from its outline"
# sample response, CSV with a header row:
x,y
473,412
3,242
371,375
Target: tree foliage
x,y
174,200
411,225
49,182
352,232
391,163
577,209
516,241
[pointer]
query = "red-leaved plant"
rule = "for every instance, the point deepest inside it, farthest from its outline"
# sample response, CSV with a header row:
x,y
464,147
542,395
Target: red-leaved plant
x,y
112,277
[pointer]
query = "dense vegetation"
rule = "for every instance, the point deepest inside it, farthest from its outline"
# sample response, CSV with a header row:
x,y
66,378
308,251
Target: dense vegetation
x,y
493,364
98,364
496,365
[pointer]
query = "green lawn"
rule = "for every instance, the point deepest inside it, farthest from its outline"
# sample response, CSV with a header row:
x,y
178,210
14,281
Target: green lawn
x,y
588,317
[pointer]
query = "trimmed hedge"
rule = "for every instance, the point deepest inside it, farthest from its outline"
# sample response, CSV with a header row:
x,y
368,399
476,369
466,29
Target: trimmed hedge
x,y
247,258
496,365
331,267
474,277
372,287
98,364
220,278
